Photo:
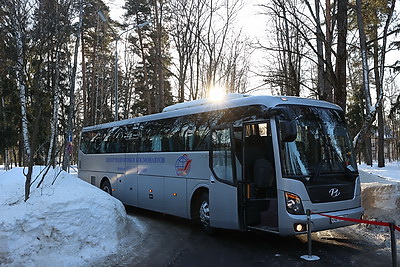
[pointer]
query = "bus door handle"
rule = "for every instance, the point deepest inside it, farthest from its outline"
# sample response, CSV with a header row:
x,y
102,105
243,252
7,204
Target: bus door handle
x,y
212,179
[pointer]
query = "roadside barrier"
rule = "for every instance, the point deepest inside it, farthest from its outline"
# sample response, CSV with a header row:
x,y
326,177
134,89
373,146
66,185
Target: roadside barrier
x,y
392,226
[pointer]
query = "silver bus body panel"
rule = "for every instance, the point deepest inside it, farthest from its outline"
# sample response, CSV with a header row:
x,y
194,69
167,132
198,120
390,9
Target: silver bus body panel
x,y
127,186
149,180
223,205
95,168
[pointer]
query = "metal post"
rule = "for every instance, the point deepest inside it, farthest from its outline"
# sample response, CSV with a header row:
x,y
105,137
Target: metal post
x,y
309,257
393,244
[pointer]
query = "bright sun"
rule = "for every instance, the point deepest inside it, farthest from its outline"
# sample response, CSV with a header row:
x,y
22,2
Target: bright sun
x,y
217,94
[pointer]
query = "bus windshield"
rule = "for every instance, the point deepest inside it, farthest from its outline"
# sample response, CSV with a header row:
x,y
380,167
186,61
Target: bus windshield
x,y
322,146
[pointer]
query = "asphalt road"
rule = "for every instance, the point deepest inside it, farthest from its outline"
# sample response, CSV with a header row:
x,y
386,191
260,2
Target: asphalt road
x,y
170,241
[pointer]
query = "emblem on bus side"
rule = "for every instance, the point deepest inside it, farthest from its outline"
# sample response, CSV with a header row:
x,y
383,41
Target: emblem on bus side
x,y
183,165
334,192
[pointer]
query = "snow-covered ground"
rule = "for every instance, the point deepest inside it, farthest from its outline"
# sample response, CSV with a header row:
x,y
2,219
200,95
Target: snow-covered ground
x,y
390,172
68,222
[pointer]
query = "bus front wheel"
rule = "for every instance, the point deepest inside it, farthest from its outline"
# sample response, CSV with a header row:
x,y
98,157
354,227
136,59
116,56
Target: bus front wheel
x,y
204,213
106,187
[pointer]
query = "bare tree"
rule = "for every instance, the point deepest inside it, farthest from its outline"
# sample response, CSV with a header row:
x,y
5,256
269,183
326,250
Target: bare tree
x,y
186,23
371,110
210,52
287,48
215,38
19,14
236,64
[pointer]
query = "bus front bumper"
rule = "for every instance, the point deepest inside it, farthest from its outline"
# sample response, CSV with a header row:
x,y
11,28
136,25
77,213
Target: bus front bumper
x,y
318,222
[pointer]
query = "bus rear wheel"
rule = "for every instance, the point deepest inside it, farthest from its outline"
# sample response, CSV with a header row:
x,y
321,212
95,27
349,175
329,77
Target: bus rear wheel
x,y
106,187
204,213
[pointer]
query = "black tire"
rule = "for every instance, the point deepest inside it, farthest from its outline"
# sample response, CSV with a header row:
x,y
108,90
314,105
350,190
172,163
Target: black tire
x,y
203,210
106,187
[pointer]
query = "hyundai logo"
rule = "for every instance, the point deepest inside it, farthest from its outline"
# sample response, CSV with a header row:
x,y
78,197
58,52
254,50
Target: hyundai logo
x,y
334,192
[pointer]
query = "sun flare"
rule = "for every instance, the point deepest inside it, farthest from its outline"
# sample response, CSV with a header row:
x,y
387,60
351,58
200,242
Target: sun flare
x,y
217,94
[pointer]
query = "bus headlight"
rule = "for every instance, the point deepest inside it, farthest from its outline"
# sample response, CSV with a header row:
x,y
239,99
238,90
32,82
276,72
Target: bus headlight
x,y
293,204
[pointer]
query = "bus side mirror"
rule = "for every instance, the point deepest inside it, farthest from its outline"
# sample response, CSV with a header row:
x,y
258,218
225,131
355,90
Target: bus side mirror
x,y
288,131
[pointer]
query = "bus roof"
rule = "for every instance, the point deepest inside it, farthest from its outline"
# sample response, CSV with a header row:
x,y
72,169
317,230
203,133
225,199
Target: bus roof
x,y
207,104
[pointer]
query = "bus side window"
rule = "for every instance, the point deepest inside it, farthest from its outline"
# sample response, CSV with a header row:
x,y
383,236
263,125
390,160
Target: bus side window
x,y
145,145
130,139
156,143
85,142
222,161
96,142
174,135
199,138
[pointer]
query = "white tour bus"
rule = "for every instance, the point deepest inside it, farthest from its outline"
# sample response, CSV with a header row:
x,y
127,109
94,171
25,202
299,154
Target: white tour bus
x,y
246,163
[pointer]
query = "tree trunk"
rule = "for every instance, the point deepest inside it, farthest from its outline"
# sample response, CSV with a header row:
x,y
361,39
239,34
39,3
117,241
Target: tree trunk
x,y
6,156
368,152
22,92
370,114
145,74
380,110
159,64
54,123
329,76
323,94
380,143
71,108
341,55
27,155
84,90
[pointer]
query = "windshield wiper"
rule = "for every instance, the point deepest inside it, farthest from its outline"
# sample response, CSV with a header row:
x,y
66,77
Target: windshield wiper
x,y
342,163
319,168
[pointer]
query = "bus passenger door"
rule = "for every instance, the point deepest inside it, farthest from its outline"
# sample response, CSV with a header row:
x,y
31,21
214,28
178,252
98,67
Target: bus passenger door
x,y
259,204
223,192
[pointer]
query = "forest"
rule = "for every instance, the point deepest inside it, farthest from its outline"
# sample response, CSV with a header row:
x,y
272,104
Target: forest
x,y
66,64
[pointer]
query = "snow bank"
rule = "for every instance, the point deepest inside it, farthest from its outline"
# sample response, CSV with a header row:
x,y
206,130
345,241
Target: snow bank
x,y
68,223
381,191
381,202
381,194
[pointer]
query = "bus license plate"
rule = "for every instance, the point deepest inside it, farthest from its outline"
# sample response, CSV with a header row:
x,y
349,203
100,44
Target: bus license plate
x,y
334,220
